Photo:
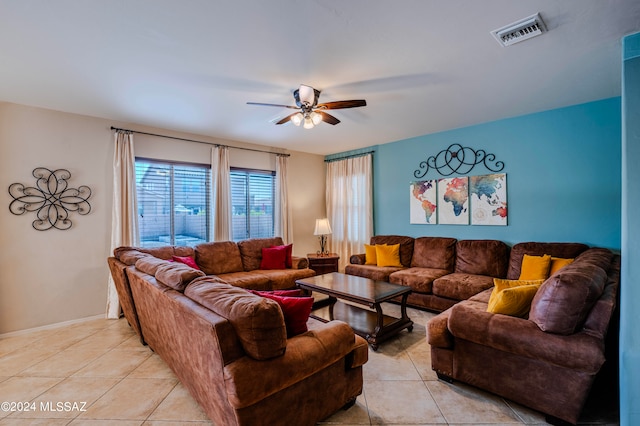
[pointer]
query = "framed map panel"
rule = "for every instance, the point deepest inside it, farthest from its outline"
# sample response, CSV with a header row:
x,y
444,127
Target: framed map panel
x,y
453,201
423,202
488,195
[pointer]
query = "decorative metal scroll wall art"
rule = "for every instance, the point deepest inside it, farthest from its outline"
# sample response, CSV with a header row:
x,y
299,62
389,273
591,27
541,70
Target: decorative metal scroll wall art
x,y
458,159
51,199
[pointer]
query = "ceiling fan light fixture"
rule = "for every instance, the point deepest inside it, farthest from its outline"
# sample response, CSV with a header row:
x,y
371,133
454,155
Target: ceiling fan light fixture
x,y
297,118
316,118
308,123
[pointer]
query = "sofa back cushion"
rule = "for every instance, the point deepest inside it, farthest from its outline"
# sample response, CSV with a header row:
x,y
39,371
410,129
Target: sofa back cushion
x,y
216,258
434,252
164,252
563,302
562,250
406,246
149,264
175,275
251,251
257,321
482,257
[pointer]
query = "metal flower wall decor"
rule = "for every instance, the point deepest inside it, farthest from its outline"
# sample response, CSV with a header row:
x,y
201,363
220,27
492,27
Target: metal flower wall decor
x,y
51,199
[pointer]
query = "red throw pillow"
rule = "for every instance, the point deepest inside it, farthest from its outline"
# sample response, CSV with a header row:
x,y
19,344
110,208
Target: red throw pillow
x,y
296,311
288,293
273,258
288,253
187,260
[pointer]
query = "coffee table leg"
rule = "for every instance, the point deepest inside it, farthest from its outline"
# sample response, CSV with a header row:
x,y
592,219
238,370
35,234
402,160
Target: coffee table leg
x,y
403,310
332,302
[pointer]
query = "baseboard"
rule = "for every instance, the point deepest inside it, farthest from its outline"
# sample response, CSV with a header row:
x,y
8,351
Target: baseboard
x,y
52,326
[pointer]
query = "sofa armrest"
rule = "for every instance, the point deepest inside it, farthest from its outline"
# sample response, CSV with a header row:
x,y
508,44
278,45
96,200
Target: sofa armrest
x,y
299,262
357,259
438,333
248,380
579,351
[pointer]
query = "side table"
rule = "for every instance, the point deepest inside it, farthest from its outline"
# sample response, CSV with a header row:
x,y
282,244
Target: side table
x,y
323,264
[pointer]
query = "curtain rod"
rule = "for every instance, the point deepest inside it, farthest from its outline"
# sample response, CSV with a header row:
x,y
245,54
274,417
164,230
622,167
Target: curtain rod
x,y
195,141
360,154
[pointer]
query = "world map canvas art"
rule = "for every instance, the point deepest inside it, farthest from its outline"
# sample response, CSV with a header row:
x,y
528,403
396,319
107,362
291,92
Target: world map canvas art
x,y
423,202
455,201
488,199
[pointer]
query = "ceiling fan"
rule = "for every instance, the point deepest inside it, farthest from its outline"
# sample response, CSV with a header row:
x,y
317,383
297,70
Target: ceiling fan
x,y
311,113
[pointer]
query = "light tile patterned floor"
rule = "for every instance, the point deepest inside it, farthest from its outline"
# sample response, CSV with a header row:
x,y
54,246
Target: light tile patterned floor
x,y
101,366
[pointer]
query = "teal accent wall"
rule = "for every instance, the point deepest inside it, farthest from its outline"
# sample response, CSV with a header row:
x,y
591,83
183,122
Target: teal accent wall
x,y
630,281
563,176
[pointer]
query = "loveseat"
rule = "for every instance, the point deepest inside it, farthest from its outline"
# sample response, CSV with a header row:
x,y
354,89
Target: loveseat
x,y
238,264
548,359
440,271
234,350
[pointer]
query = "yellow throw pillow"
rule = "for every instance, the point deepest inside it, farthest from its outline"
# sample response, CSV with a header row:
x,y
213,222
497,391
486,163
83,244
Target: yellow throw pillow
x,y
514,301
500,284
370,257
388,255
558,263
535,267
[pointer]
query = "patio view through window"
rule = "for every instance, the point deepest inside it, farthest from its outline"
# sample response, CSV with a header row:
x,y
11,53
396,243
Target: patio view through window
x,y
173,200
252,201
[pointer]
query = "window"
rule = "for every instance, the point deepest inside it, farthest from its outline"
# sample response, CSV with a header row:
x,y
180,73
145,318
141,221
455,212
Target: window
x,y
252,201
172,203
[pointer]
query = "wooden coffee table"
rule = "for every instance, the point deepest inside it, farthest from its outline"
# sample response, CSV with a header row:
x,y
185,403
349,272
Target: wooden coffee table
x,y
374,326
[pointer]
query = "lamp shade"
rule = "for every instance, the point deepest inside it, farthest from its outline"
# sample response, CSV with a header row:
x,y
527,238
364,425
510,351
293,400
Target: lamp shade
x,y
322,227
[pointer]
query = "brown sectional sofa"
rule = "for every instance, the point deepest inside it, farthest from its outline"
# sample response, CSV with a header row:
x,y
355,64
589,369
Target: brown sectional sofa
x,y
230,348
233,263
547,361
440,271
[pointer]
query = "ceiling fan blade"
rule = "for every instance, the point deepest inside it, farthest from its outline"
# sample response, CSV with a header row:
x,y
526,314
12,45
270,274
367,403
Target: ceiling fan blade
x,y
343,104
327,118
274,105
287,118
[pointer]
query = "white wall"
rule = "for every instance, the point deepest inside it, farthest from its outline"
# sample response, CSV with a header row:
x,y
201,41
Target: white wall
x,y
47,277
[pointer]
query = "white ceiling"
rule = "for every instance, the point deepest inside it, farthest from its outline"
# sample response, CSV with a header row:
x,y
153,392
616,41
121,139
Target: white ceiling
x,y
423,66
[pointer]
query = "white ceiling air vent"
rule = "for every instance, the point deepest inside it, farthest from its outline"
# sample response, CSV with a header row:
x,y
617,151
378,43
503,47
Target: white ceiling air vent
x,y
519,31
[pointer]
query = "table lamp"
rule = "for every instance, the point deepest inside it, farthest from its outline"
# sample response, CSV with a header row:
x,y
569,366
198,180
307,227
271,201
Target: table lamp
x,y
323,229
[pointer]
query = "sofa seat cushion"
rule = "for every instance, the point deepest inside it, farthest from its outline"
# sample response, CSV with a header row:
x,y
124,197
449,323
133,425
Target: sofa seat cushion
x,y
419,279
562,303
461,286
251,251
380,273
218,258
482,257
253,280
282,279
434,252
258,321
468,320
248,381
483,296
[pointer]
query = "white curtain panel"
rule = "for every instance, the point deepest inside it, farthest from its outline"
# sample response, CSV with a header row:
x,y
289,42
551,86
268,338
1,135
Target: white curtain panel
x,y
349,205
284,221
220,194
124,217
